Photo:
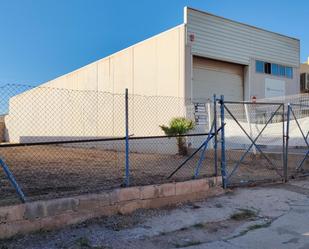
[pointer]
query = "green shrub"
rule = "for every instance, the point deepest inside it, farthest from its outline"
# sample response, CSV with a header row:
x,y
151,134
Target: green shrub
x,y
179,126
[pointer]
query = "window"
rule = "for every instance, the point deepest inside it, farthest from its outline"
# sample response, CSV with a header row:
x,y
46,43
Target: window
x,y
281,70
289,72
259,66
274,69
267,68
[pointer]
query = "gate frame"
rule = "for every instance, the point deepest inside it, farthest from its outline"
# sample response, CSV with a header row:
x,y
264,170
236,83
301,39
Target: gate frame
x,y
225,175
305,137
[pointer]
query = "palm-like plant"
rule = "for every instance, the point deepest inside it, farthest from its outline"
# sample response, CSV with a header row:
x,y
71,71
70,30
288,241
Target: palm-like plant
x,y
179,126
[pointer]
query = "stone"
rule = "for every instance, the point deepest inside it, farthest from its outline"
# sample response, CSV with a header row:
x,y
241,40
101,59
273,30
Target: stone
x,y
183,188
168,189
149,192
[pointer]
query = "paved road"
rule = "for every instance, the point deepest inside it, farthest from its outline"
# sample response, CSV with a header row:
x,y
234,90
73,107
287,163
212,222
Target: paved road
x,y
290,226
279,219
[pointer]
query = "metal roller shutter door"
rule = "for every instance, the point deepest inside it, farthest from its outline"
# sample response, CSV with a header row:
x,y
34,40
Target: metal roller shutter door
x,y
217,77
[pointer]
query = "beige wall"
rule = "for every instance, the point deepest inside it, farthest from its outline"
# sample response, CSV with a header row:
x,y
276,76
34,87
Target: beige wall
x,y
226,40
152,67
223,39
76,105
304,68
257,82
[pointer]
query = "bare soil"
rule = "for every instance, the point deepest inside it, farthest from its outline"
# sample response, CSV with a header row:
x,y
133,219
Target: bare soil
x,y
45,172
54,171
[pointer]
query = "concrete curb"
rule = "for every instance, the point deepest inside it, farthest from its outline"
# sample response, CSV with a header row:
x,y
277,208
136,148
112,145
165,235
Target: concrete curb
x,y
56,213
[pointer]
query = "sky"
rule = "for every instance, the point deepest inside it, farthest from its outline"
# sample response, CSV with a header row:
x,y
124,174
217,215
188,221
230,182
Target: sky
x,y
43,39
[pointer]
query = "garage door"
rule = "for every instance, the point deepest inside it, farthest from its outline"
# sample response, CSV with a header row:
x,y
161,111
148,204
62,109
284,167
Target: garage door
x,y
217,77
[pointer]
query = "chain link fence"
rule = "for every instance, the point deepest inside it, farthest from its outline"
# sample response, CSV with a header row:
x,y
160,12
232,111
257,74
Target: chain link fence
x,y
254,142
298,139
61,142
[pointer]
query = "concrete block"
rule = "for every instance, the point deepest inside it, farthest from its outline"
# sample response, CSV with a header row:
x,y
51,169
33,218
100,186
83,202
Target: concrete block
x,y
167,189
113,197
200,185
59,206
183,188
107,211
149,192
93,201
35,210
57,213
125,194
129,207
40,209
11,213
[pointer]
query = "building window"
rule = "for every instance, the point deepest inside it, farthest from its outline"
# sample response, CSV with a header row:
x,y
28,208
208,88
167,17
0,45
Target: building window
x,y
273,69
267,68
289,72
259,65
281,70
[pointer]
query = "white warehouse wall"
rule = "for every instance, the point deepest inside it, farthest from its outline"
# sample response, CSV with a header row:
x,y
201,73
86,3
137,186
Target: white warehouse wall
x,y
153,67
80,104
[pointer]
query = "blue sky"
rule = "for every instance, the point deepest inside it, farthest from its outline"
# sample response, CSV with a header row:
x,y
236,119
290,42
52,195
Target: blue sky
x,y
43,39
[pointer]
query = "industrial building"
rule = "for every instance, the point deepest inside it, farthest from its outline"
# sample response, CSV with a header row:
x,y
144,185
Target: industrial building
x,y
304,77
207,54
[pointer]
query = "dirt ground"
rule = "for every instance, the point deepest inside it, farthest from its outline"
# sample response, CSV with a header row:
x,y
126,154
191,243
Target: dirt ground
x,y
52,171
45,172
261,217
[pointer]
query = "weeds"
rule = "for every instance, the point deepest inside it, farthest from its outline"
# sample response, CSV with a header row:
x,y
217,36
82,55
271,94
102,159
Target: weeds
x,y
243,214
258,226
189,243
199,225
83,242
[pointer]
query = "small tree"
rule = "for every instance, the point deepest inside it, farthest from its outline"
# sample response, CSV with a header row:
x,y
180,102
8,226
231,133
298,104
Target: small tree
x,y
179,126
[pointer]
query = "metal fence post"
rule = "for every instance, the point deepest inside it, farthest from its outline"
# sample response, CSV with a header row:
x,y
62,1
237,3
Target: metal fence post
x,y
13,181
287,143
210,122
216,135
223,159
127,165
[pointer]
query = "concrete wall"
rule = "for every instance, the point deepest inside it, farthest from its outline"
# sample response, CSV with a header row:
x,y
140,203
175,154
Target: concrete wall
x,y
223,39
57,213
75,105
153,67
226,40
257,82
304,67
